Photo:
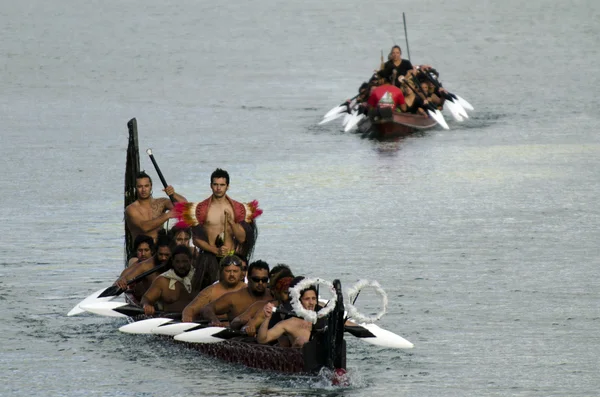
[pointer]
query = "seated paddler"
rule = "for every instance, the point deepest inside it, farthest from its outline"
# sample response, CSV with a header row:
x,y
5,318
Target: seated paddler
x,y
296,330
232,304
231,279
385,98
280,278
139,288
172,290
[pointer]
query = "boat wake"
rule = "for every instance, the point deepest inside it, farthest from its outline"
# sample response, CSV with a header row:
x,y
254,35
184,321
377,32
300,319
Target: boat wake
x,y
307,385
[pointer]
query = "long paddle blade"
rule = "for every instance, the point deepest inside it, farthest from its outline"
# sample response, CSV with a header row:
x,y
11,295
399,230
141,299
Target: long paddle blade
x,y
452,107
463,102
378,336
338,109
353,122
331,118
172,329
208,335
347,118
112,291
90,299
440,120
105,308
385,338
459,108
144,326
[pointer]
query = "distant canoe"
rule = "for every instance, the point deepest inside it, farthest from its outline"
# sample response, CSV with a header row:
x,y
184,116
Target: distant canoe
x,y
396,125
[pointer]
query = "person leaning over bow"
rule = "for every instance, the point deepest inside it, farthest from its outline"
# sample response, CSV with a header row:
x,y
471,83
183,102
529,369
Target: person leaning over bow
x,y
297,329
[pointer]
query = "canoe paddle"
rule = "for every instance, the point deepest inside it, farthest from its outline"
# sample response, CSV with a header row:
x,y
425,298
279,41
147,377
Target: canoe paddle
x,y
122,309
160,175
431,111
369,333
458,100
161,326
342,107
108,294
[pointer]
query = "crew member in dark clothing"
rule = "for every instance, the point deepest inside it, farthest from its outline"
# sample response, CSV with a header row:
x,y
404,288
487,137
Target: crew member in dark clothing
x,y
396,63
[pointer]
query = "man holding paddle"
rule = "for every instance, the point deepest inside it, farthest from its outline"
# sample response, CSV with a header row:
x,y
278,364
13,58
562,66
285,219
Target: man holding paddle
x,y
146,215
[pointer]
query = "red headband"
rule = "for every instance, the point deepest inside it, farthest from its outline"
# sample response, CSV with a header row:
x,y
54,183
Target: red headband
x,y
283,284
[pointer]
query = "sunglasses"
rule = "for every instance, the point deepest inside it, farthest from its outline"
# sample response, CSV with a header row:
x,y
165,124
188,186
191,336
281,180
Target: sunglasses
x,y
260,279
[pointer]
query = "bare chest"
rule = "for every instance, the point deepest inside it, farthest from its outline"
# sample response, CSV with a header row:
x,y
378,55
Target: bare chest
x,y
151,210
216,213
177,293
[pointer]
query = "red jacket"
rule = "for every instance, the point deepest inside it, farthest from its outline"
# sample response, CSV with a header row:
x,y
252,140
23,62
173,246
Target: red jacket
x,y
379,93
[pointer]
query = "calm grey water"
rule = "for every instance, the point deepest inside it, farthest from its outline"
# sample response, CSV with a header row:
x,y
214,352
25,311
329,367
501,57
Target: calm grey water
x,y
484,236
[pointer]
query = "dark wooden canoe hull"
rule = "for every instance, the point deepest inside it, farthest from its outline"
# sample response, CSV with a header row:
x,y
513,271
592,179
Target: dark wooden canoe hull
x,y
326,349
399,125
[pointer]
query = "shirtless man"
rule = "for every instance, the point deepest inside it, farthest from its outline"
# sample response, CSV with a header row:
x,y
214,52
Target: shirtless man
x,y
147,215
172,290
281,270
163,252
235,303
298,330
221,226
231,279
282,299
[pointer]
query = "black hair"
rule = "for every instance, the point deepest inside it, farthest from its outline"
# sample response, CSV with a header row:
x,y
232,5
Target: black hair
x,y
259,264
278,272
297,280
142,238
396,46
219,173
181,249
243,258
230,260
175,230
142,175
278,268
363,86
163,241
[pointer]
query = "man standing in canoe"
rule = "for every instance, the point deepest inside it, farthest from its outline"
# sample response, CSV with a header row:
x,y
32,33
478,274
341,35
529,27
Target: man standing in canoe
x,y
395,66
221,227
146,215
